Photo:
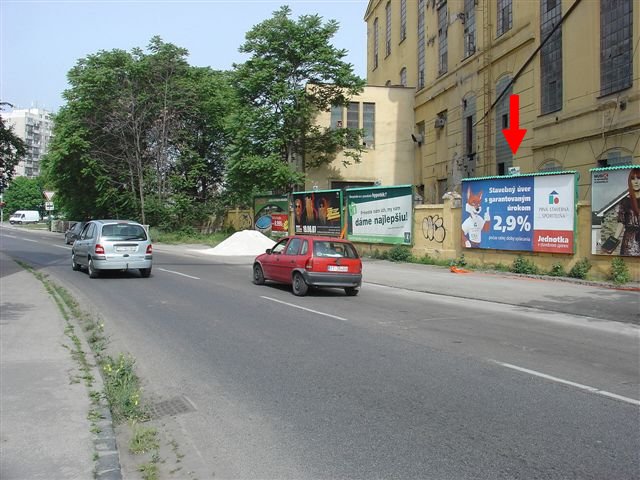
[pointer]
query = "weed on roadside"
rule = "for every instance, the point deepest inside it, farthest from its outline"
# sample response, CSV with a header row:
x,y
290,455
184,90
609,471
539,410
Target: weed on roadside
x,y
580,269
619,271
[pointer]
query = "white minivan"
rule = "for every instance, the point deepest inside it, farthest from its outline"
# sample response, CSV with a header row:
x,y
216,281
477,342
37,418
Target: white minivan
x,y
24,216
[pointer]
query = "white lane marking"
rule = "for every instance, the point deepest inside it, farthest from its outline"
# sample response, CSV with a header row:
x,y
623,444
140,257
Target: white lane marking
x,y
304,308
178,273
571,384
10,236
29,240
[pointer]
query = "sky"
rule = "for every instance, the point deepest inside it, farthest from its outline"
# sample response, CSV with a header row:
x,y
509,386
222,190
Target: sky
x,y
41,40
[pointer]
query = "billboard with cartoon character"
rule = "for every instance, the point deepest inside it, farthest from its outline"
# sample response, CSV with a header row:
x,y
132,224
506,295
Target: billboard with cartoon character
x,y
522,212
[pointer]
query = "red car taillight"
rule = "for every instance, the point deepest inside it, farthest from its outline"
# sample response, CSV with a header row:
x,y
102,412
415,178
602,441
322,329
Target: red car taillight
x,y
149,249
99,249
309,264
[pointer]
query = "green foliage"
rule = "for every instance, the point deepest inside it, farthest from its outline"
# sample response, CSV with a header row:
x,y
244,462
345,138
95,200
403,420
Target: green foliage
x,y
399,253
580,269
524,265
458,262
24,194
143,440
122,389
293,73
141,131
557,270
619,271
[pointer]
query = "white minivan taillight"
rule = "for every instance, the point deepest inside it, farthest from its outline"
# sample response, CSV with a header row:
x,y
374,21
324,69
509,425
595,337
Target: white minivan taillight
x,y
99,249
149,249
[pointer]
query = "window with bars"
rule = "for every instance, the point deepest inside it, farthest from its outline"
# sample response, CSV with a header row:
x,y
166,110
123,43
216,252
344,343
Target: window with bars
x,y
469,135
469,27
421,44
504,157
369,123
616,30
403,19
442,38
551,57
505,16
387,10
353,115
336,116
403,77
375,44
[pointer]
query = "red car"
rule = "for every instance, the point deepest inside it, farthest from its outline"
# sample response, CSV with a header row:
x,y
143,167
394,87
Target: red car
x,y
307,261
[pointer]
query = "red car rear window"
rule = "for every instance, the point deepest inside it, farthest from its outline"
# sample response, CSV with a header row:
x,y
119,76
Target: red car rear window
x,y
334,249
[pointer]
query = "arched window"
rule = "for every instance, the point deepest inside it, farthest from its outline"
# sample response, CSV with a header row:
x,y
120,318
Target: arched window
x,y
550,166
403,76
615,157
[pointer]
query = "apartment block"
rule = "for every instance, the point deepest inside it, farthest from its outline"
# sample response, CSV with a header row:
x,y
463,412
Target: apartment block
x,y
34,126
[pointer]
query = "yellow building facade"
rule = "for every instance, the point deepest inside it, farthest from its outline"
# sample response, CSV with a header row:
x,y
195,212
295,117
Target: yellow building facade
x,y
574,65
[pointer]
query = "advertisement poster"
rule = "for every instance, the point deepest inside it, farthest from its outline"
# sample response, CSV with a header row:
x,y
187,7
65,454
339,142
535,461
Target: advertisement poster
x,y
318,213
615,211
380,214
533,213
267,206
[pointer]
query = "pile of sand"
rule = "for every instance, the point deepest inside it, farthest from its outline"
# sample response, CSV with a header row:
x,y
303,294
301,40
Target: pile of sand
x,y
246,242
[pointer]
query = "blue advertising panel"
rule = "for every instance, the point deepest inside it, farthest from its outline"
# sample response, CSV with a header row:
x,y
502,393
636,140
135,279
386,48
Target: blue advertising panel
x,y
524,212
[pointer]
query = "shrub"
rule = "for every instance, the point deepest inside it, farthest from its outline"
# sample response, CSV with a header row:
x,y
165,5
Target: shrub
x,y
399,253
524,265
619,271
580,269
557,270
459,262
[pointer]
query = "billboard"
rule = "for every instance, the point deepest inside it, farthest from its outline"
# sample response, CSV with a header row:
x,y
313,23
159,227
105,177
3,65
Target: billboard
x,y
318,213
380,214
268,207
615,211
533,213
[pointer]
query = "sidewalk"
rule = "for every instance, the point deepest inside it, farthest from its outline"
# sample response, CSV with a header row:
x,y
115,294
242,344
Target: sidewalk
x,y
44,430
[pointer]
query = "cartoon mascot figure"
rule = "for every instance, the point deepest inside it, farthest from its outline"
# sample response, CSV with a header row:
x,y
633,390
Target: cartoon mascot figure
x,y
475,224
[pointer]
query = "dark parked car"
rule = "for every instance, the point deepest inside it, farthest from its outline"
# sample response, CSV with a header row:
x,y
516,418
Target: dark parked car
x,y
308,261
112,245
73,232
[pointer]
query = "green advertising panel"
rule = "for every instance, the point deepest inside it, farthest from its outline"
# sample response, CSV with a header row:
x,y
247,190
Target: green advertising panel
x,y
318,213
271,215
380,214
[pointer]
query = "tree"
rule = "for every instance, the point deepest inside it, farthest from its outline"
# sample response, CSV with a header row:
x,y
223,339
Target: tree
x,y
141,136
12,150
293,73
24,194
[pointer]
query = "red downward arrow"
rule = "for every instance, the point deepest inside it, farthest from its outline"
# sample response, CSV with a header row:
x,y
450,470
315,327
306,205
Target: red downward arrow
x,y
514,135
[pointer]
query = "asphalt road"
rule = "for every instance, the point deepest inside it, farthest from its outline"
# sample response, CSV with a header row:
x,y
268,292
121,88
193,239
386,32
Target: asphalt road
x,y
390,384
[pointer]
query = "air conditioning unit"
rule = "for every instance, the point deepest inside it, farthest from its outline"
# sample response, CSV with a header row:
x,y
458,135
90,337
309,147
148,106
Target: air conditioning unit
x,y
440,122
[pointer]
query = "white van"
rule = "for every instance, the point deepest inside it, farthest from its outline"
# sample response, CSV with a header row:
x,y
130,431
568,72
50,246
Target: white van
x,y
24,216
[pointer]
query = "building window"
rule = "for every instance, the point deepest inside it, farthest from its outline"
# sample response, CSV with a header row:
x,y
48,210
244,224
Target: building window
x,y
504,157
336,116
421,44
375,44
550,166
469,135
616,30
469,27
504,16
403,77
387,11
551,57
403,19
615,158
353,115
369,123
442,38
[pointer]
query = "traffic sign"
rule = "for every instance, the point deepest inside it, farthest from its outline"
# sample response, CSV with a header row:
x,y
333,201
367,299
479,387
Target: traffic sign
x,y
48,206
